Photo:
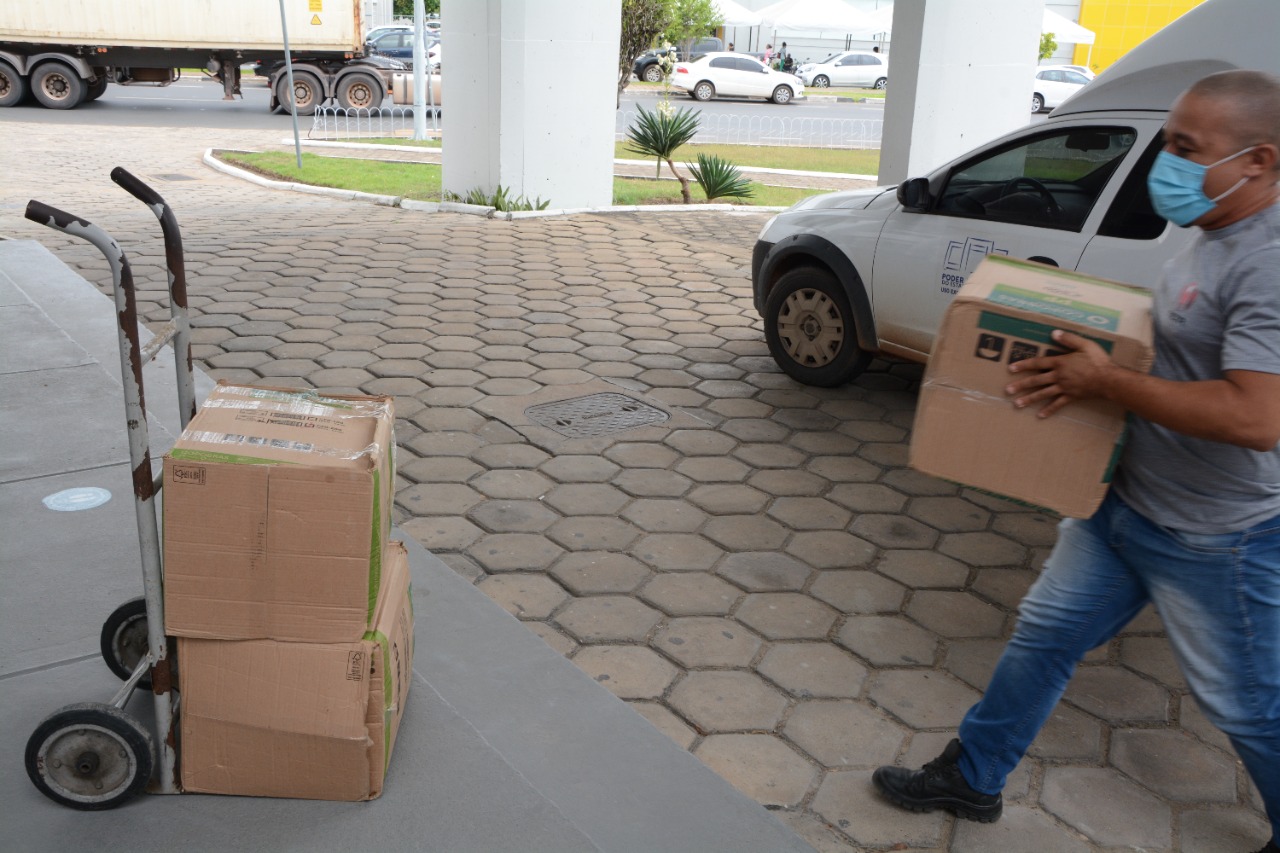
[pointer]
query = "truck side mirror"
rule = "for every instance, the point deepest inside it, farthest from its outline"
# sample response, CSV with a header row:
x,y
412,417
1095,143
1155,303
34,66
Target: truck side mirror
x,y
913,195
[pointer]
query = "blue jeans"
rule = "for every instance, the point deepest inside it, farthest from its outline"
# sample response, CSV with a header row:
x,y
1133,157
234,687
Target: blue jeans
x,y
1219,599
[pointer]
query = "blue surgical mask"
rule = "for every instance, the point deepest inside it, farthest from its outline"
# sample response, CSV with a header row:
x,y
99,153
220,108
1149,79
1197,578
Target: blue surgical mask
x,y
1177,187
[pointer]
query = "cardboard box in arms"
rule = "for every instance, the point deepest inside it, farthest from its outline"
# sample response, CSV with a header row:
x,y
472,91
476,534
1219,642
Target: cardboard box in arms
x,y
966,427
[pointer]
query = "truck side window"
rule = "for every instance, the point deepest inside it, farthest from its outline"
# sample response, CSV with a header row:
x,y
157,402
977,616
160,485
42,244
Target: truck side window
x,y
1052,180
1130,216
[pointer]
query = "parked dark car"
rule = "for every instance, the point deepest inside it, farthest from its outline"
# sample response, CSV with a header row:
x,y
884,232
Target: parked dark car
x,y
646,66
399,45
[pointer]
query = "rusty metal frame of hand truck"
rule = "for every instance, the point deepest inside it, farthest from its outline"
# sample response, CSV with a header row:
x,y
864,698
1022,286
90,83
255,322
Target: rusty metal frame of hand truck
x,y
133,356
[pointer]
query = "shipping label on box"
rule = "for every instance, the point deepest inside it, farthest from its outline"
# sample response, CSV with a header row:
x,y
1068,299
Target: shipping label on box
x,y
276,507
305,720
967,429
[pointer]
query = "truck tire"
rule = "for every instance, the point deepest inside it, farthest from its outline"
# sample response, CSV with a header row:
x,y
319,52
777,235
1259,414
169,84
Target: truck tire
x,y
13,86
58,87
809,328
360,92
307,92
96,88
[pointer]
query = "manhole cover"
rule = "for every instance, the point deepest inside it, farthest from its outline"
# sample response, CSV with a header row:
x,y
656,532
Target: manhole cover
x,y
174,176
595,414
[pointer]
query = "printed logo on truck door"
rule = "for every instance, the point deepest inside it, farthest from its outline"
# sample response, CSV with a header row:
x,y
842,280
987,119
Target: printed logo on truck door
x,y
963,258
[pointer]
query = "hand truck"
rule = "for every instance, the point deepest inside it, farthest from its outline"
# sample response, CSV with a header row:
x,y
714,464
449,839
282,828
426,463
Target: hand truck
x,y
94,755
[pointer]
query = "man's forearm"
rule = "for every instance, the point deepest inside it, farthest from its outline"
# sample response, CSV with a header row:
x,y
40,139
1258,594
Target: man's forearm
x,y
1216,410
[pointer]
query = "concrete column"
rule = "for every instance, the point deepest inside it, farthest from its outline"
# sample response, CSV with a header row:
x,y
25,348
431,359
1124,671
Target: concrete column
x,y
960,74
529,96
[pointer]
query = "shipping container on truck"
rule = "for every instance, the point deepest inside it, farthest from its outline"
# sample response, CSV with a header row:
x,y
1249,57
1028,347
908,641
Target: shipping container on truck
x,y
65,52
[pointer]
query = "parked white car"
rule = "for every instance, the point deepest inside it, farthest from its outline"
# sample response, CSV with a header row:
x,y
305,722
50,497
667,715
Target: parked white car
x,y
735,76
841,277
847,68
1054,84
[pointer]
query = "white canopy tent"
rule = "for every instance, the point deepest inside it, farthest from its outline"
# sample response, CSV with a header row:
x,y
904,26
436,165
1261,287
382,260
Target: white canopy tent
x,y
834,16
1064,30
735,14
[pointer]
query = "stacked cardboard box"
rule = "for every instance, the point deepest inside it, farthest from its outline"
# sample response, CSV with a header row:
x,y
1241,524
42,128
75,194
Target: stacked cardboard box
x,y
291,607
968,430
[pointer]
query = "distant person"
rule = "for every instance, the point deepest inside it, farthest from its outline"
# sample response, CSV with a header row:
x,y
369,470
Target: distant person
x,y
875,49
731,47
768,53
788,64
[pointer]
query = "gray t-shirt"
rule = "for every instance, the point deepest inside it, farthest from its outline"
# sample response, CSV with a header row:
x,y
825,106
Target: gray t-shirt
x,y
1216,308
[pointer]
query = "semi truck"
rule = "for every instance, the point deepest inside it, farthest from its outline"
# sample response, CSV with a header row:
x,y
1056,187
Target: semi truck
x,y
63,53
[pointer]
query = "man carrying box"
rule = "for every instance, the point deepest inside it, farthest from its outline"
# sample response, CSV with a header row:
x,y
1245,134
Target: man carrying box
x,y
1192,523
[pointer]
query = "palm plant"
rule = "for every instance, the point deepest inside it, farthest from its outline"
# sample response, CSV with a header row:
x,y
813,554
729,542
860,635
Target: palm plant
x,y
659,134
719,178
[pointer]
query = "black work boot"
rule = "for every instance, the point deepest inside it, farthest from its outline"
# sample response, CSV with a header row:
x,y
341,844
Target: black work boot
x,y
938,785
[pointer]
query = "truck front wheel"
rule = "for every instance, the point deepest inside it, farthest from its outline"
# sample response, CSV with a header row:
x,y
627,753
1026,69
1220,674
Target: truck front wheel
x,y
13,86
57,87
360,92
809,327
307,93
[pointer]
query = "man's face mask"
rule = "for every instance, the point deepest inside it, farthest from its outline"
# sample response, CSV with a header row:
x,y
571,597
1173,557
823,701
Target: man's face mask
x,y
1177,187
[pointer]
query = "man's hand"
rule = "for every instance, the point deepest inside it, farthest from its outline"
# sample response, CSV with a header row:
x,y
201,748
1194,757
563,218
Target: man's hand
x,y
1077,375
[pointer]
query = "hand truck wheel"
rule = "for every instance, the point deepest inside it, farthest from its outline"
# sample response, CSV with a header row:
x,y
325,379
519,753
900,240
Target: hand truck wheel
x,y
124,640
90,756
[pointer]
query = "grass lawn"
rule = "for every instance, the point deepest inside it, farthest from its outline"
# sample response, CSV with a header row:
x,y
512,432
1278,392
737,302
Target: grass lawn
x,y
645,191
839,160
422,180
412,180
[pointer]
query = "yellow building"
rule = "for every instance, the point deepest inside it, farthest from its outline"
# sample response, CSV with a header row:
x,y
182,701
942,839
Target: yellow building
x,y
1121,24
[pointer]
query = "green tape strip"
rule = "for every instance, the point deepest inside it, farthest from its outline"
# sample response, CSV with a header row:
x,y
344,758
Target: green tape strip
x,y
375,548
1116,452
388,692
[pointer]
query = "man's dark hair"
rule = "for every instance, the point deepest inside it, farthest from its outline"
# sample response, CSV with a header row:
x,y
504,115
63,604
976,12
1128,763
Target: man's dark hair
x,y
1254,100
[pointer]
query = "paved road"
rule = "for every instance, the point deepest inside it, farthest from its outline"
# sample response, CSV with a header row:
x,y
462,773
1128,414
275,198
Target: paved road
x,y
761,575
197,102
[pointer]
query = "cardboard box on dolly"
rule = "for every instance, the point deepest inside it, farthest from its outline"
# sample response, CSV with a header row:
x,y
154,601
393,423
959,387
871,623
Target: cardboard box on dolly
x,y
306,720
277,505
968,430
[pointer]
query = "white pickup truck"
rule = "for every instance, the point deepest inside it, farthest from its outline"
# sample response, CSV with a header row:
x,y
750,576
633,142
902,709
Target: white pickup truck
x,y
841,277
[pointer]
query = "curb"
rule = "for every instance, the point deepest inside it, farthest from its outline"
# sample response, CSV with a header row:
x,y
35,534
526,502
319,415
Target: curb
x,y
457,207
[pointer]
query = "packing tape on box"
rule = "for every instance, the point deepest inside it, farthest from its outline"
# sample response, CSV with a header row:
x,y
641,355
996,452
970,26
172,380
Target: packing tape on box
x,y
241,440
973,395
295,403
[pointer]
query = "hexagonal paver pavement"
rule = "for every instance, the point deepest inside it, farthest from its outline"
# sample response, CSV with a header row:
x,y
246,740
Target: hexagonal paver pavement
x,y
728,701
761,576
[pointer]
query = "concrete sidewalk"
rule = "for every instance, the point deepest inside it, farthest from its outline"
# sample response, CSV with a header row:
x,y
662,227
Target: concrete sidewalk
x,y
759,575
505,745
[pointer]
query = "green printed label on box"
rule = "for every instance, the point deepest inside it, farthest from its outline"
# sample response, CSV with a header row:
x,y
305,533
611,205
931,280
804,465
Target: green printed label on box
x,y
1094,316
1026,330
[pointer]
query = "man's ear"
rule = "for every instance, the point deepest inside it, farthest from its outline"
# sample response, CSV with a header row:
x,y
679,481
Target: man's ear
x,y
1264,158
